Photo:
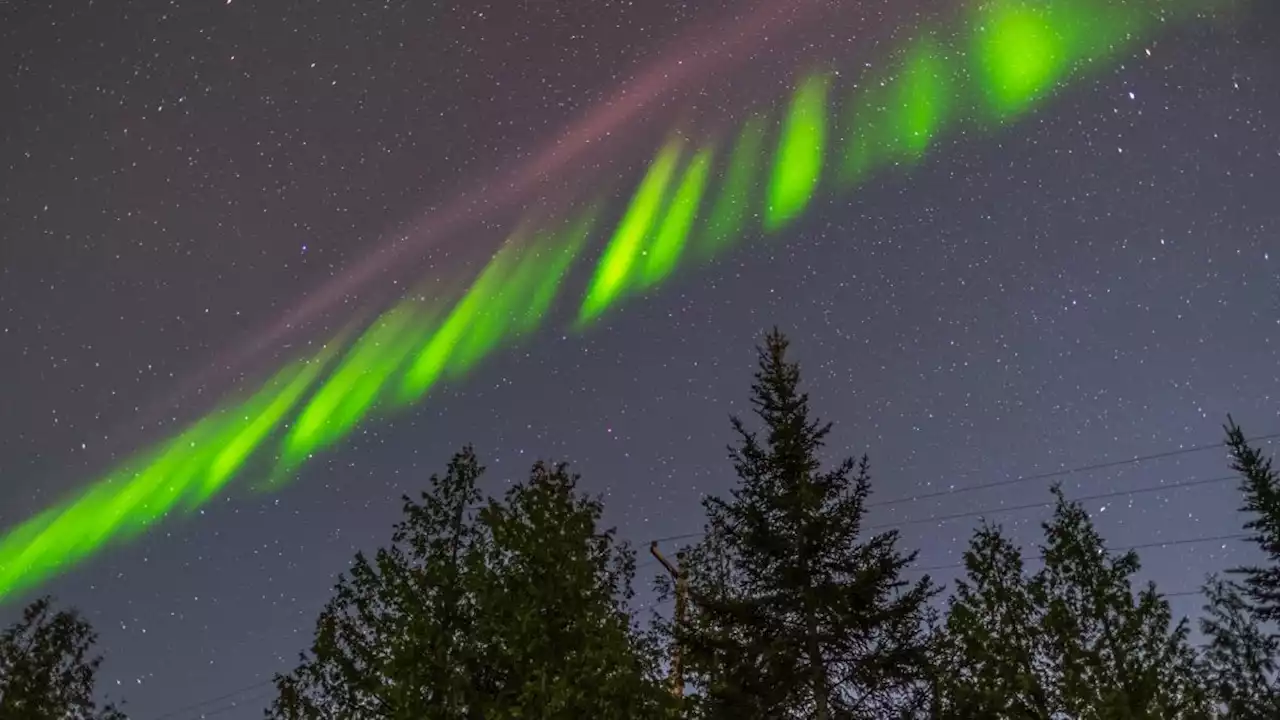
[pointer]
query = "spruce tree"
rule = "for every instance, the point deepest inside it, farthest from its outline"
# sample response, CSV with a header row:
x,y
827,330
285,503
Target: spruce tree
x,y
1241,612
47,669
513,609
1261,487
794,613
1072,640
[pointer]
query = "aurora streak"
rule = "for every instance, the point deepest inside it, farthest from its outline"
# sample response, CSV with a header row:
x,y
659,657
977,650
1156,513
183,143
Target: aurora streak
x,y
696,199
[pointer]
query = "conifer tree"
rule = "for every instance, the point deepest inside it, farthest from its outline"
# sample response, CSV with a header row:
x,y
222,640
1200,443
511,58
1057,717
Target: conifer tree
x,y
1072,640
551,603
47,669
1239,658
516,609
1241,612
1261,487
987,656
794,613
393,641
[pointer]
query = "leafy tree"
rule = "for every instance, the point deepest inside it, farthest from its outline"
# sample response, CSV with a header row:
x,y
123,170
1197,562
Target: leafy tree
x,y
794,615
1240,617
1071,640
391,643
511,610
47,671
558,639
987,657
1239,658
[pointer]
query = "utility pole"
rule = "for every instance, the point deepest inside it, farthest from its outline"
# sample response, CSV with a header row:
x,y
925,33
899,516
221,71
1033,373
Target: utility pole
x,y
681,577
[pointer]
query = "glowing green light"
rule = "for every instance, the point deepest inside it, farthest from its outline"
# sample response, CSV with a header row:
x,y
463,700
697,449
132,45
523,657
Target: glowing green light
x,y
682,211
63,538
923,98
728,215
133,498
797,165
570,246
244,440
1015,52
433,359
1096,30
1020,54
622,251
862,127
15,544
528,275
355,385
508,298
182,468
515,273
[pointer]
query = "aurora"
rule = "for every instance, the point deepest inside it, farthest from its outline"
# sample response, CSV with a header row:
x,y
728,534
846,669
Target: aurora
x,y
696,199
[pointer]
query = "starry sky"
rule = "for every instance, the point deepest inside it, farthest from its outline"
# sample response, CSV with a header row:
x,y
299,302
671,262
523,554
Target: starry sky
x,y
191,192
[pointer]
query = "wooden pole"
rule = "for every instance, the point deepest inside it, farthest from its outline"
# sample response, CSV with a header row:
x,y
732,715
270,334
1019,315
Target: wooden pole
x,y
681,576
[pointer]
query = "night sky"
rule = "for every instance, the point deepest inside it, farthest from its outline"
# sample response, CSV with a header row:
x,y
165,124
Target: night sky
x,y
187,190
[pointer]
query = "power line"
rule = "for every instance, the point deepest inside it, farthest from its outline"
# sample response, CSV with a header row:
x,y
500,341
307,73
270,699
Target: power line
x,y
1183,485
1123,548
996,510
941,518
233,705
236,704
931,568
197,705
1030,478
1061,473
1181,593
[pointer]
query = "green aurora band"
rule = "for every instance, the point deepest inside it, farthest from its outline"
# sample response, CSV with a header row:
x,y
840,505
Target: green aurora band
x,y
797,165
1011,56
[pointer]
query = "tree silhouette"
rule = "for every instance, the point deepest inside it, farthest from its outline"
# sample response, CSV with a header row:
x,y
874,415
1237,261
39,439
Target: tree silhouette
x,y
511,609
796,615
1071,640
47,669
1242,609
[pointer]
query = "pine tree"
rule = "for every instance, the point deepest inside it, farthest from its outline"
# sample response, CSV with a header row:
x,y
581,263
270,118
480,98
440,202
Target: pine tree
x,y
46,667
1072,640
794,614
1261,488
516,609
1240,617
